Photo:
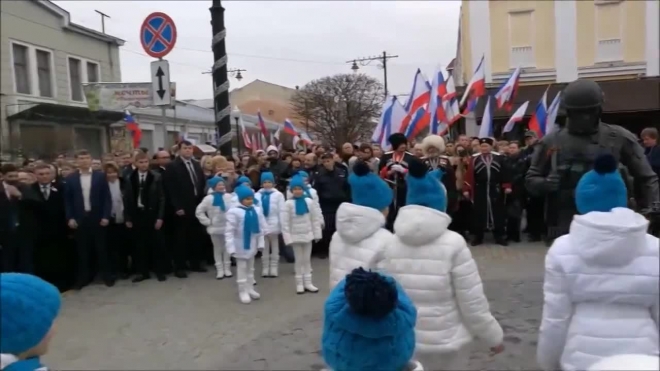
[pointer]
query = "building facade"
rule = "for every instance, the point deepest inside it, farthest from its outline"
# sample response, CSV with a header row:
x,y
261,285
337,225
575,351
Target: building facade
x,y
45,59
615,42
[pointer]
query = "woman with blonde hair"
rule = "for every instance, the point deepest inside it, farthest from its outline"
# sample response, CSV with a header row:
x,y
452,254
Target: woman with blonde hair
x,y
207,166
219,164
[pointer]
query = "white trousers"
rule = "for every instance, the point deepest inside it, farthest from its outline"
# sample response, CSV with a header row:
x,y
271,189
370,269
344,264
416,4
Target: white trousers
x,y
302,251
457,360
244,271
270,256
220,254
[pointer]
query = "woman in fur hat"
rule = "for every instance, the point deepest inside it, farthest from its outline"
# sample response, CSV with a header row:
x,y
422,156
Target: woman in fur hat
x,y
433,147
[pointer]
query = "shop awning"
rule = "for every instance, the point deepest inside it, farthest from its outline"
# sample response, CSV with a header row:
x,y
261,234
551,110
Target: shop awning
x,y
67,114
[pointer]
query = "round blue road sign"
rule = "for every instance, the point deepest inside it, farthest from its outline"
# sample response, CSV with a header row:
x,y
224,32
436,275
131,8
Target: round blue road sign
x,y
158,34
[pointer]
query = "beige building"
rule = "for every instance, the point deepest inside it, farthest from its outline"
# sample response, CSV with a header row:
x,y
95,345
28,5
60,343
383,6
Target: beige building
x,y
614,42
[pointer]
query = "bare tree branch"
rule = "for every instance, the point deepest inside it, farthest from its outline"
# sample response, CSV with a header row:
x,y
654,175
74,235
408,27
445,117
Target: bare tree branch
x,y
340,108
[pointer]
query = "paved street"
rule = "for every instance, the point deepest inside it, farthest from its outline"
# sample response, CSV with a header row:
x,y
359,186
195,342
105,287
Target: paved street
x,y
198,323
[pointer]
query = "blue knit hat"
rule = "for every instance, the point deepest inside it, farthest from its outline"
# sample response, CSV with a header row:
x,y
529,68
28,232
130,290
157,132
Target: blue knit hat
x,y
424,187
214,182
601,189
28,308
297,181
367,189
243,179
267,176
243,192
303,173
369,324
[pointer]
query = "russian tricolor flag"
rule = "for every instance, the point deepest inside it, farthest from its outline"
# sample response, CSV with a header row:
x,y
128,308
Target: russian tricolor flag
x,y
390,121
477,86
262,124
486,128
289,128
553,110
133,127
538,121
416,123
438,116
419,97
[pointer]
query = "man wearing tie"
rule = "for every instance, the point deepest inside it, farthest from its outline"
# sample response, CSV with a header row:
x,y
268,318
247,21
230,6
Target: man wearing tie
x,y
148,220
88,205
184,182
53,256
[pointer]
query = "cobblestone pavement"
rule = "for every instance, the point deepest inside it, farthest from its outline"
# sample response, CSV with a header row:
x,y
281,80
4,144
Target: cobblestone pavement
x,y
198,323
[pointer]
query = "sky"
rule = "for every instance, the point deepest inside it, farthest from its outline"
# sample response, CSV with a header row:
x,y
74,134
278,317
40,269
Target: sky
x,y
284,42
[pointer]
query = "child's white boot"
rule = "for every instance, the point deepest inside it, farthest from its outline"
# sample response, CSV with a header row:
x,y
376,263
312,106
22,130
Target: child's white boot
x,y
243,293
254,295
300,289
307,284
265,269
274,271
228,269
219,271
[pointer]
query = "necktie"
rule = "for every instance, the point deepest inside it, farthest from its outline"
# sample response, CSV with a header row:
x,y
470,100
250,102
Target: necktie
x,y
142,190
191,170
44,190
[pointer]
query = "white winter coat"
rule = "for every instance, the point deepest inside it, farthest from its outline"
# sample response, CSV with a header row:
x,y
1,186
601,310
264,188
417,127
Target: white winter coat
x,y
276,204
360,241
601,292
435,267
212,217
300,228
234,233
315,198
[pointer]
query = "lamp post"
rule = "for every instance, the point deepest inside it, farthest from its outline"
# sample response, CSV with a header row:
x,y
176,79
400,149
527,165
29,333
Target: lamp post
x,y
237,117
383,64
220,82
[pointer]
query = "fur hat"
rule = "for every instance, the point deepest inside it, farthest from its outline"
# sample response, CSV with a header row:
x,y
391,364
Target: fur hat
x,y
272,148
397,139
243,192
434,141
369,324
425,187
267,176
30,305
601,189
368,189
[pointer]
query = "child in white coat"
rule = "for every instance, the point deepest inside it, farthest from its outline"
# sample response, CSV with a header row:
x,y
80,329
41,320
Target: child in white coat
x,y
271,202
436,268
243,237
301,224
212,213
601,292
360,239
309,192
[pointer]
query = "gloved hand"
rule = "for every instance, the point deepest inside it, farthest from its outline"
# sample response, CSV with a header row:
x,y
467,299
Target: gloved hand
x,y
398,168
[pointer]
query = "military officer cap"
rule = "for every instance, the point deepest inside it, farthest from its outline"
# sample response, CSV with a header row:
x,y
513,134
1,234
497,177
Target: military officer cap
x,y
488,141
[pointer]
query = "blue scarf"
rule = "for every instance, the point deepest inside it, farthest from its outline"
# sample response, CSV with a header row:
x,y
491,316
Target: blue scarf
x,y
301,205
218,200
265,200
250,226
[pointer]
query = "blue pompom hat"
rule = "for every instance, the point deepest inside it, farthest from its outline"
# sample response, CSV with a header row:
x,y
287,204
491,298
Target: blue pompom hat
x,y
368,189
425,187
297,181
369,324
243,192
267,176
243,179
601,189
28,308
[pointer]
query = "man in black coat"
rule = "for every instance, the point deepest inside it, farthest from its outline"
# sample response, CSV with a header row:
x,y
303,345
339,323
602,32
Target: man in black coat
x,y
184,182
147,210
393,167
331,184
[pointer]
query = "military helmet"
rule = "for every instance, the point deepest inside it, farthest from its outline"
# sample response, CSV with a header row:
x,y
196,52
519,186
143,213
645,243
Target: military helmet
x,y
582,94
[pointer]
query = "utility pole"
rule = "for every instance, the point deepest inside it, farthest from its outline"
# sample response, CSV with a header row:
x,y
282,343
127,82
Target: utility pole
x,y
103,17
383,64
220,81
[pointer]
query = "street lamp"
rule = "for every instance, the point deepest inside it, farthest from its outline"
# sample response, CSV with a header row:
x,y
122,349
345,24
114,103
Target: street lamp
x,y
236,73
236,113
355,67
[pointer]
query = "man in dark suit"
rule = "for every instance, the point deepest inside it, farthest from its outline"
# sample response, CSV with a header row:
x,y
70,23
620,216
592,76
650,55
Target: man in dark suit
x,y
53,256
88,206
17,218
184,182
148,210
162,159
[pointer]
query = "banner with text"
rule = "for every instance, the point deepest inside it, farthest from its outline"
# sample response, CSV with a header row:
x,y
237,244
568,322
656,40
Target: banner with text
x,y
120,96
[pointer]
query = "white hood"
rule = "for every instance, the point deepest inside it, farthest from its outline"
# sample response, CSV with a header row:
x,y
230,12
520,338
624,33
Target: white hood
x,y
355,223
609,238
418,225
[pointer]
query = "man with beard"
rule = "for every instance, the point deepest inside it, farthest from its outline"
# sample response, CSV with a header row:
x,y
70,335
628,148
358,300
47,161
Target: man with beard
x,y
567,153
515,202
393,167
488,184
433,147
276,166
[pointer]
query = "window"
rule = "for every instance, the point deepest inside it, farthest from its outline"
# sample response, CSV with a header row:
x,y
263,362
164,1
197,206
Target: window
x,y
21,69
75,80
89,138
608,32
521,39
44,73
92,72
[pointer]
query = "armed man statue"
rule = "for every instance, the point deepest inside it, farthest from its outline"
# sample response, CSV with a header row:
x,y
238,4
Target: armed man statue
x,y
564,155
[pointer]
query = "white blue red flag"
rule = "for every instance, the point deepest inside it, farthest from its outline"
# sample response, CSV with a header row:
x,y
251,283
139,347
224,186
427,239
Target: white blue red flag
x,y
134,128
477,86
438,117
419,97
289,128
486,128
538,121
515,118
262,124
553,110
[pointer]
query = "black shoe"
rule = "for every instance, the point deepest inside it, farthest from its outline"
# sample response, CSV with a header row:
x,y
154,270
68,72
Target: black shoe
x,y
110,282
140,278
501,242
161,277
476,241
180,274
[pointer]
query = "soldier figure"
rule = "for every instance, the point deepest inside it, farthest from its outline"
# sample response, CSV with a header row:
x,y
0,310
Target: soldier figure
x,y
564,155
393,167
